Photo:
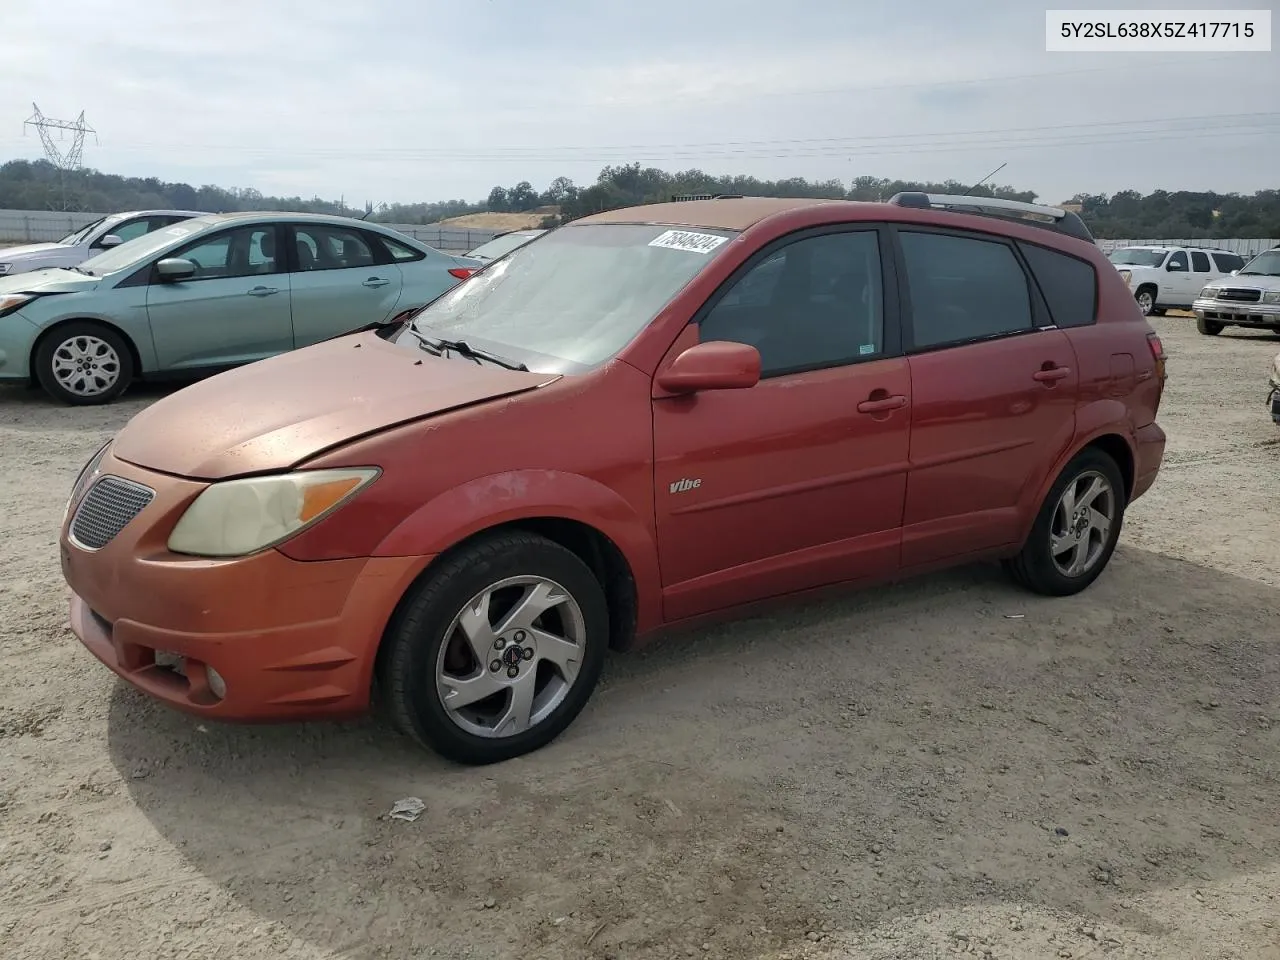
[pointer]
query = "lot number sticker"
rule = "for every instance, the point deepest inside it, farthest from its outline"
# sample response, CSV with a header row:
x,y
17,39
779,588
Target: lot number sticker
x,y
686,240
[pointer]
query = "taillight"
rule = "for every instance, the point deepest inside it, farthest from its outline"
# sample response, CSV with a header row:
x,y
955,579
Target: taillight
x,y
1157,354
461,272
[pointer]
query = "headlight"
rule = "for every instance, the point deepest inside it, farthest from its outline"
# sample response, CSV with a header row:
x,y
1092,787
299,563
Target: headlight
x,y
10,302
85,477
1126,275
1272,297
239,517
1208,293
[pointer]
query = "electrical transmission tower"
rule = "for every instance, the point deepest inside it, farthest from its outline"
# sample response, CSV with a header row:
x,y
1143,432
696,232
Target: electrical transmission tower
x,y
63,156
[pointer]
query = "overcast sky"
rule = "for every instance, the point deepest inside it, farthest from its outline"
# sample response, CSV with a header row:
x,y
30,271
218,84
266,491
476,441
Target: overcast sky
x,y
407,100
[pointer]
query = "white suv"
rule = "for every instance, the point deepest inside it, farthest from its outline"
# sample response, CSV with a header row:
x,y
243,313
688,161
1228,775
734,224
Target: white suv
x,y
1250,298
1164,278
89,241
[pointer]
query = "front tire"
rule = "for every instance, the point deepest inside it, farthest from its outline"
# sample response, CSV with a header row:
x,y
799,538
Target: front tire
x,y
1076,530
84,363
1210,328
1146,297
495,653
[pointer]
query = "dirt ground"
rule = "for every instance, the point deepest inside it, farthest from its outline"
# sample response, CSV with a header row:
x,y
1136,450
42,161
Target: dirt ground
x,y
949,766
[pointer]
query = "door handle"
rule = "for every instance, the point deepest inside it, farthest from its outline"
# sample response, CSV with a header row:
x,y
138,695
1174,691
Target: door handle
x,y
376,282
263,291
1052,374
883,404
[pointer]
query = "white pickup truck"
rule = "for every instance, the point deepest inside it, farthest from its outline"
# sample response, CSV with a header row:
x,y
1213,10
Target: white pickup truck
x,y
89,241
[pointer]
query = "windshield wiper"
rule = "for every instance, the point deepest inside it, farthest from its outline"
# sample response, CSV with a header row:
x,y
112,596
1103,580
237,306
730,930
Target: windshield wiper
x,y
440,347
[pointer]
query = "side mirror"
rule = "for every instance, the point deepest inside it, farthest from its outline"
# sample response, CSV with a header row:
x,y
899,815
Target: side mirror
x,y
175,268
714,365
1235,272
110,240
1174,268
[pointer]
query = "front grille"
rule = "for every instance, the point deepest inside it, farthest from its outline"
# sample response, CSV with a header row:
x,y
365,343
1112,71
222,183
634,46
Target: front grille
x,y
1239,295
106,509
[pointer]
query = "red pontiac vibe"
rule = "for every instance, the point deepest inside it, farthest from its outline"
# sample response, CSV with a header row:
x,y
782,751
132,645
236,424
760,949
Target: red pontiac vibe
x,y
643,417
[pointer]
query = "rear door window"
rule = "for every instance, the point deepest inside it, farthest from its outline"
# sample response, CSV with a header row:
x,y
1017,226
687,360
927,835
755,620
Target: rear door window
x,y
1200,262
963,289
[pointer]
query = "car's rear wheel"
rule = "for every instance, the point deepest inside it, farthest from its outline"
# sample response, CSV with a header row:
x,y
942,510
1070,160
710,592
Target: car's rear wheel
x,y
1075,532
1146,297
1210,328
496,652
84,363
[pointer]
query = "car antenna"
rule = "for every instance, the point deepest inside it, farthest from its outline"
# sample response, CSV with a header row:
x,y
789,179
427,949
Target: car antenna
x,y
969,192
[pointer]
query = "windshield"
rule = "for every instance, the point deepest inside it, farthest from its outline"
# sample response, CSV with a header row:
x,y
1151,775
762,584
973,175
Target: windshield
x,y
1263,265
80,235
132,251
499,246
1138,258
573,299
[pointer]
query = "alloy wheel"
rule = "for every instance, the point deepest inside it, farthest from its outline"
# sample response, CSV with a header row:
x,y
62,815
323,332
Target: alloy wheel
x,y
86,366
511,656
1081,525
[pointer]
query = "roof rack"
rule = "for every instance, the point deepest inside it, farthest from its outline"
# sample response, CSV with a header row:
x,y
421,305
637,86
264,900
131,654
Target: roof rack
x,y
1035,214
707,196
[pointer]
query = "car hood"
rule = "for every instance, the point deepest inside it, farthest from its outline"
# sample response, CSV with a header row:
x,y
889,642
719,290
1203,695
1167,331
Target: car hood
x,y
37,251
1256,281
276,413
48,281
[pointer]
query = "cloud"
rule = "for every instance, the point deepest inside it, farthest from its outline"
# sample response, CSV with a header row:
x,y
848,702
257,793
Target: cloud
x,y
403,100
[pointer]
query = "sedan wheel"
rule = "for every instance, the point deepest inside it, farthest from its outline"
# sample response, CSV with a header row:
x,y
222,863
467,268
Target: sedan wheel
x,y
496,651
83,363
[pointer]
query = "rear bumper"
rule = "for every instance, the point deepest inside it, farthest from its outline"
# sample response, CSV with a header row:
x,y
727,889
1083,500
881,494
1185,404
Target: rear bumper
x,y
1149,442
1273,400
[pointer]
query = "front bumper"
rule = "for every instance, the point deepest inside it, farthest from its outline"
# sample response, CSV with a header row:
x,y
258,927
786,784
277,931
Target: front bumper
x,y
289,640
1238,314
17,337
1273,399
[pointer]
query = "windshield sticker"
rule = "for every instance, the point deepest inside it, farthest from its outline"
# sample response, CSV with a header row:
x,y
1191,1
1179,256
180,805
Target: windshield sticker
x,y
686,240
178,231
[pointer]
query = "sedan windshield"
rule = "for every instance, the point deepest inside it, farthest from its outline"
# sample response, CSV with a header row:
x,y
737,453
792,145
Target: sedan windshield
x,y
134,251
1138,258
573,299
1263,265
80,235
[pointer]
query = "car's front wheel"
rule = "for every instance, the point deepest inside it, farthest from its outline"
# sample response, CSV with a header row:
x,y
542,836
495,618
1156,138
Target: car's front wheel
x,y
497,651
1076,530
1146,297
83,363
1210,328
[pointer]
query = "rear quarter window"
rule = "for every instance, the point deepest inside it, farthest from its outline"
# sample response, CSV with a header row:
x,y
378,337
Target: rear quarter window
x,y
1069,285
1226,262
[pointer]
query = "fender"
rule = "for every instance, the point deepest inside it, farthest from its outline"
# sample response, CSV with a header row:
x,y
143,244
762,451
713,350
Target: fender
x,y
1093,420
500,498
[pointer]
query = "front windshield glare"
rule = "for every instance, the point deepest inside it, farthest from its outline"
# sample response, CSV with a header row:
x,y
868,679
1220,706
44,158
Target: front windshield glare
x,y
1264,264
1138,258
139,248
577,296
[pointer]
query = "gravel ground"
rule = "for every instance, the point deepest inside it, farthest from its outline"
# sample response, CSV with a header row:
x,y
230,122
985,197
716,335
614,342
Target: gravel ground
x,y
948,766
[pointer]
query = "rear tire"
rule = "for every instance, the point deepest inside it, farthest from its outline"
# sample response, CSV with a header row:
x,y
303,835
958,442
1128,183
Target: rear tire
x,y
1210,328
83,363
1066,529
461,696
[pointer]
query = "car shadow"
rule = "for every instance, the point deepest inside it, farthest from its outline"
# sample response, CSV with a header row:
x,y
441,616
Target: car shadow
x,y
939,743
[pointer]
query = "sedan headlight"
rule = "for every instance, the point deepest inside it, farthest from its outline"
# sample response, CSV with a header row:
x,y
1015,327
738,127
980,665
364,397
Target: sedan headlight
x,y
1126,275
238,517
10,302
1208,293
1272,297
